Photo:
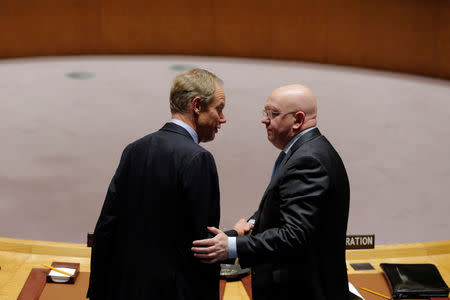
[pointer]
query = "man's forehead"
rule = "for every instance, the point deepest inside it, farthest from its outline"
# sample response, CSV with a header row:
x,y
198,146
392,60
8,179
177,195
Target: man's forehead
x,y
270,106
274,103
220,93
285,99
219,97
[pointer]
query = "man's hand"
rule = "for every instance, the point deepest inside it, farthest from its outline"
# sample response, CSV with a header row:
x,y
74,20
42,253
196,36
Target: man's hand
x,y
243,227
212,250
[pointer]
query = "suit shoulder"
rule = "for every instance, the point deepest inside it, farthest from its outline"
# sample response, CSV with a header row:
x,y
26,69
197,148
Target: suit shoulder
x,y
138,142
314,147
315,151
171,142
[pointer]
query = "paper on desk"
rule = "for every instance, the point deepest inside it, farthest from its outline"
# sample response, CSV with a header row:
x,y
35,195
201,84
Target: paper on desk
x,y
67,270
354,294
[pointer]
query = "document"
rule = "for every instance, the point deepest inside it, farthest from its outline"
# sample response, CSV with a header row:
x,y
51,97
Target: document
x,y
354,294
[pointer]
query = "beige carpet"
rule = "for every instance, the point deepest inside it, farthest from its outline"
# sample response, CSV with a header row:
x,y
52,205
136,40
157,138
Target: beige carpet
x,y
61,139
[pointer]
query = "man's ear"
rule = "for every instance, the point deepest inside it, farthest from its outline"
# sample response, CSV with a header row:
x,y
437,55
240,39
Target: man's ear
x,y
299,120
196,105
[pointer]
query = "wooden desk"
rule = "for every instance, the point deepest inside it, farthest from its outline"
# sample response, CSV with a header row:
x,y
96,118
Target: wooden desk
x,y
36,288
18,257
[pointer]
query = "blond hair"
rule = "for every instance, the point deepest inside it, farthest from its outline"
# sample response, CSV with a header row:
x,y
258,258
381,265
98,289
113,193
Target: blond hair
x,y
188,85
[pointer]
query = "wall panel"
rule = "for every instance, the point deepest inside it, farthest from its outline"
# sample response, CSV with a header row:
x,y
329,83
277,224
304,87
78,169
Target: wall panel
x,y
48,27
400,36
243,28
345,36
157,26
403,35
442,59
300,30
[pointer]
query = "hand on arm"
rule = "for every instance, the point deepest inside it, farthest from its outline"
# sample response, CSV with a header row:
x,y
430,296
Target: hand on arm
x,y
212,250
243,227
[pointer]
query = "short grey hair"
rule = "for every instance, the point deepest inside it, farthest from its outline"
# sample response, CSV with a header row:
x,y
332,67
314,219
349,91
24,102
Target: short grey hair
x,y
190,84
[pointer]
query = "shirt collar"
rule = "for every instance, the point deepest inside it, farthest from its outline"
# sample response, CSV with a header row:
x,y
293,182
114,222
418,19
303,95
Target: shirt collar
x,y
187,127
295,138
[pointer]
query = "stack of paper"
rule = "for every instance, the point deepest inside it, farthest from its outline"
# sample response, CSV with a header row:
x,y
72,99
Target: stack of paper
x,y
60,277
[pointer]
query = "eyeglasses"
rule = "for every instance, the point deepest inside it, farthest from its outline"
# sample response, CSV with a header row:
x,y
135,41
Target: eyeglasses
x,y
272,114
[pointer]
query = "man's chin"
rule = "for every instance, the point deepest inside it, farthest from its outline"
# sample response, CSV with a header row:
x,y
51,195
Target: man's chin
x,y
272,141
207,139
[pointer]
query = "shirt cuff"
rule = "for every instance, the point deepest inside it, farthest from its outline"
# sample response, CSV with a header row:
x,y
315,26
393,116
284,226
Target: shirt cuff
x,y
232,251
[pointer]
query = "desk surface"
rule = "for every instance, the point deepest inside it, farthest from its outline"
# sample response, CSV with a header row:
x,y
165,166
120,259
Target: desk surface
x,y
35,287
18,257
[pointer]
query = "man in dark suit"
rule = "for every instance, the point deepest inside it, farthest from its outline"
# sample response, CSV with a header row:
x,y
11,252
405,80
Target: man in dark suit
x,y
297,246
163,195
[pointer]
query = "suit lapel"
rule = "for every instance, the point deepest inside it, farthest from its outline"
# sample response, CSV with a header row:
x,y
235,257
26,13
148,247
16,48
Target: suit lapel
x,y
302,140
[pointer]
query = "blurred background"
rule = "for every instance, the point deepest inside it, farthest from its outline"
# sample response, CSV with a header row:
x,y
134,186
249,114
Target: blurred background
x,y
79,80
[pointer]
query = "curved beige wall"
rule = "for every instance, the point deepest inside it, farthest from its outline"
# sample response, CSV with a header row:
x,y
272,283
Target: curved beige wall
x,y
402,35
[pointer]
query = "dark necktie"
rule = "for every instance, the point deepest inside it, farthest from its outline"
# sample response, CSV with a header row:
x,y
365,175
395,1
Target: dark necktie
x,y
277,163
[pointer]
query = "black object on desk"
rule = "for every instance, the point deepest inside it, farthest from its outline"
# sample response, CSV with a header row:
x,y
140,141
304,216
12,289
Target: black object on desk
x,y
415,281
362,267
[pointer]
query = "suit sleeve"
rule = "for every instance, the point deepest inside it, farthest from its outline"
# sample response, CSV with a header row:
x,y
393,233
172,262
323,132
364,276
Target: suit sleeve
x,y
301,193
201,194
105,230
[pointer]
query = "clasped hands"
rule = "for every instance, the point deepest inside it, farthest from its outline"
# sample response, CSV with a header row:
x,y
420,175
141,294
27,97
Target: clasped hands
x,y
215,249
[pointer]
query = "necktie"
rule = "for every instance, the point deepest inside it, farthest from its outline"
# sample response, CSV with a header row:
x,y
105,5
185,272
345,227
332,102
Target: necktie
x,y
277,163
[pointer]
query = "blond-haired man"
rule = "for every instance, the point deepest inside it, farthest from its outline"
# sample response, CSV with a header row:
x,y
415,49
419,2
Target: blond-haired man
x,y
163,195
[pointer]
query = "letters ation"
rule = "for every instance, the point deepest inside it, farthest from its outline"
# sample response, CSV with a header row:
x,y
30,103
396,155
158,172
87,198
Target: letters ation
x,y
360,241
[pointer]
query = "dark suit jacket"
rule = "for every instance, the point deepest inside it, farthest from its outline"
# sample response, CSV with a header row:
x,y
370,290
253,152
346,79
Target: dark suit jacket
x,y
297,246
161,198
